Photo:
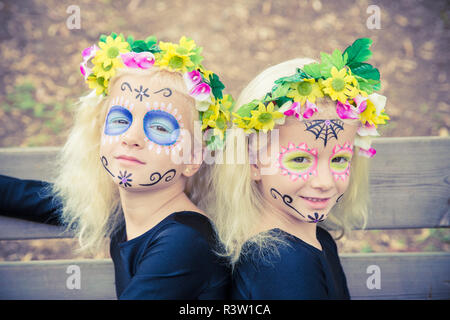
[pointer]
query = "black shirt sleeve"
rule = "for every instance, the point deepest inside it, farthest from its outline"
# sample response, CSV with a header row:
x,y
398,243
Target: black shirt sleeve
x,y
29,199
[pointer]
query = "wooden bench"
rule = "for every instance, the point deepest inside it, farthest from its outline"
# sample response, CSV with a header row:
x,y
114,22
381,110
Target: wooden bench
x,y
410,180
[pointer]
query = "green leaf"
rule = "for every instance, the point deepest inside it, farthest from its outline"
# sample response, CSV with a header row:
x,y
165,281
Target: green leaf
x,y
313,70
103,38
216,86
139,46
345,57
196,59
364,84
245,110
280,90
282,100
298,76
130,41
366,71
337,60
151,40
359,51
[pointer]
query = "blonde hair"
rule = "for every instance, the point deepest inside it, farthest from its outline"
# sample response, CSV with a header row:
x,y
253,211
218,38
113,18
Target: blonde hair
x,y
237,203
91,201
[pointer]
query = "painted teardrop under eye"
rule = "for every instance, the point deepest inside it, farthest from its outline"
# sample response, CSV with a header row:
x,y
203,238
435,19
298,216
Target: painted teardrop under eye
x,y
118,121
161,127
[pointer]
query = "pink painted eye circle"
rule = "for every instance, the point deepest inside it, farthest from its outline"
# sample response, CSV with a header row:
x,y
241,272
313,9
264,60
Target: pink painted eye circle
x,y
298,161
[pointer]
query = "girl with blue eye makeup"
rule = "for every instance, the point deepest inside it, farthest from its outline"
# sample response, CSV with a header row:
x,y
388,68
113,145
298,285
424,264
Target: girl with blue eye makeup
x,y
118,181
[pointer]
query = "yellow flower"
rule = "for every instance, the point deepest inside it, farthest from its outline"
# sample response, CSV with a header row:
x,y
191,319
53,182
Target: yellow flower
x,y
217,116
210,116
374,112
242,122
176,57
99,84
187,44
341,85
265,118
110,51
174,61
101,71
307,89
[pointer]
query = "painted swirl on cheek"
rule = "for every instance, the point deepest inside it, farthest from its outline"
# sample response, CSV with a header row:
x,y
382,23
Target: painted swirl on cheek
x,y
105,165
156,177
117,121
287,199
161,127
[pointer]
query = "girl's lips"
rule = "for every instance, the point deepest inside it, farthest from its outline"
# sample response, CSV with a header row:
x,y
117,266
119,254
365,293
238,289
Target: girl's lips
x,y
316,203
129,160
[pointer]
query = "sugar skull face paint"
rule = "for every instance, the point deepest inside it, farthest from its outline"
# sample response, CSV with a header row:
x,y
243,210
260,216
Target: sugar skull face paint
x,y
311,176
118,120
340,161
298,161
138,137
161,127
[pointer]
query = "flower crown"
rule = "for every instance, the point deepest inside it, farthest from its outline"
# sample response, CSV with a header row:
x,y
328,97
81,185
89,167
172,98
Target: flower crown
x,y
114,52
344,77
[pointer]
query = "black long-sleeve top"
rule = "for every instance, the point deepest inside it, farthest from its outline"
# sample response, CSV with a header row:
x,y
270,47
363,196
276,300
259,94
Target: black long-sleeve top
x,y
298,271
172,260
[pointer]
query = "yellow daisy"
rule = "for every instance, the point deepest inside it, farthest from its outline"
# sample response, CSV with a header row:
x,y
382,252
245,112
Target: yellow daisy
x,y
265,118
174,61
101,71
372,116
341,85
307,89
110,50
99,84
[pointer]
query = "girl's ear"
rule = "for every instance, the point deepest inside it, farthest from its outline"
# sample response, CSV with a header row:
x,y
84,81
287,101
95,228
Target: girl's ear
x,y
191,169
255,172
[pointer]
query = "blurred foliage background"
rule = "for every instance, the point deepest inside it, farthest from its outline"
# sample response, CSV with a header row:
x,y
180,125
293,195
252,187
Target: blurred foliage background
x,y
40,78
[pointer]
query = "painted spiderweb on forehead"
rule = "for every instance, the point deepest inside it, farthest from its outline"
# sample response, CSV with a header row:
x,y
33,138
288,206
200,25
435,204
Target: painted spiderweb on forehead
x,y
325,129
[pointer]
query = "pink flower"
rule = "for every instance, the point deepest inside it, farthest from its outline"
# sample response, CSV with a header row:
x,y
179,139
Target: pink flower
x,y
311,108
89,52
361,103
347,111
369,153
201,92
367,130
191,79
143,60
87,55
294,109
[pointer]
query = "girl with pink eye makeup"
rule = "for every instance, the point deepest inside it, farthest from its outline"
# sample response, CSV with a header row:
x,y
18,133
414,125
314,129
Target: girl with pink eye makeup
x,y
273,209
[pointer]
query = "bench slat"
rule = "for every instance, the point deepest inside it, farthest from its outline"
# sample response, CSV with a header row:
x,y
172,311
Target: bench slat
x,y
408,192
403,276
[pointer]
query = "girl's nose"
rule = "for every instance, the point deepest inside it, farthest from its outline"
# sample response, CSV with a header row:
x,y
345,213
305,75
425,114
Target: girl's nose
x,y
134,137
324,179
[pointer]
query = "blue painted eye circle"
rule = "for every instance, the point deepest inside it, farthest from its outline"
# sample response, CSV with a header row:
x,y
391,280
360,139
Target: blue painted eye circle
x,y
161,127
118,121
